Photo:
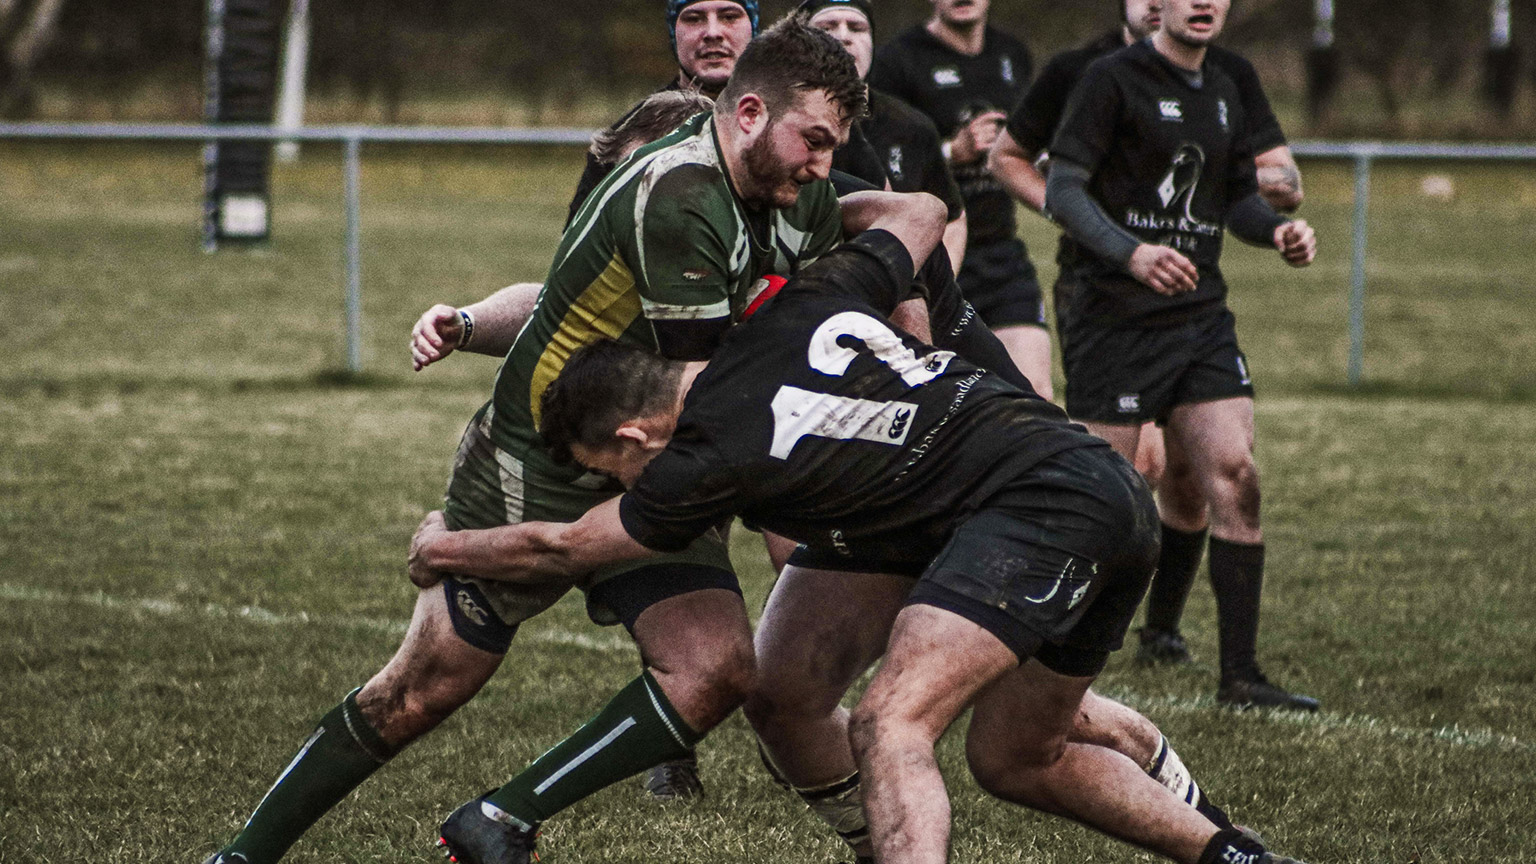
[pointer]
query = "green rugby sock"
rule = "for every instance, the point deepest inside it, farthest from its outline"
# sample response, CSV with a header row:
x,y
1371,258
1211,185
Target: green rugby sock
x,y
636,730
339,755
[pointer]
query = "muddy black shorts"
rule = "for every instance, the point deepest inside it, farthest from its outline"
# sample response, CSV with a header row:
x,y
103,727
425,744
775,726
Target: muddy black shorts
x,y
1055,565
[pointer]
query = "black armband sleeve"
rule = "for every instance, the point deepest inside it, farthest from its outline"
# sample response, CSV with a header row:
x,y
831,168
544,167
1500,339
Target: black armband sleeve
x,y
1254,221
1068,202
689,339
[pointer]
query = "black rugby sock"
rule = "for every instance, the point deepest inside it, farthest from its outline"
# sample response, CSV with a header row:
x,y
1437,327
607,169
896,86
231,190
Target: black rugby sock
x,y
1176,569
1237,578
1231,846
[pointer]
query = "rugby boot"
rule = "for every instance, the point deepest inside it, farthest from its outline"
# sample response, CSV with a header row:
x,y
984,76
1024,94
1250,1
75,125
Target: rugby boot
x,y
677,780
1255,691
222,857
1162,648
470,835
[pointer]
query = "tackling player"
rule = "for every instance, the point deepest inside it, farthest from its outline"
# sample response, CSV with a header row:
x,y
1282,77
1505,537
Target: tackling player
x,y
1013,162
1151,164
664,255
964,74
818,420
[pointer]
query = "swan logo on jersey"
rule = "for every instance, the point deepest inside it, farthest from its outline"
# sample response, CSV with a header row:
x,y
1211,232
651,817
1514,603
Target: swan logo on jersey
x,y
893,162
1178,225
1221,114
946,76
1171,109
1007,69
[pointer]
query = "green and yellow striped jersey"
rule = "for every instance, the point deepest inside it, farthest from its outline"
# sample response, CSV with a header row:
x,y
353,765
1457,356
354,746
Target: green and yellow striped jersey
x,y
663,254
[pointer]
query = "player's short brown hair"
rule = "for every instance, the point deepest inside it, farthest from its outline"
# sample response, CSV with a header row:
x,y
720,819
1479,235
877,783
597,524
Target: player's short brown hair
x,y
792,58
601,387
659,114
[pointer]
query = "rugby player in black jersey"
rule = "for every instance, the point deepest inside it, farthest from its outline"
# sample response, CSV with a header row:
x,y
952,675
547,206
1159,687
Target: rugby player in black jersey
x,y
902,135
964,75
1013,161
1031,540
1151,164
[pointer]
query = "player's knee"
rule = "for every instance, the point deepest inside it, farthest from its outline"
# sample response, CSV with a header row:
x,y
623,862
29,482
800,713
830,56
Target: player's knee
x,y
722,679
998,768
1237,478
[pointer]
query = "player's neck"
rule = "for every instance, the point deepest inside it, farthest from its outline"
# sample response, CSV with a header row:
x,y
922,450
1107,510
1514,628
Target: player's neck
x,y
691,370
688,82
1127,36
968,39
1178,53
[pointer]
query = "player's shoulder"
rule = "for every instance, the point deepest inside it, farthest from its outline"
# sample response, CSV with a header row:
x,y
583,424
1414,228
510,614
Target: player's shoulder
x,y
1230,62
1072,62
1001,41
895,112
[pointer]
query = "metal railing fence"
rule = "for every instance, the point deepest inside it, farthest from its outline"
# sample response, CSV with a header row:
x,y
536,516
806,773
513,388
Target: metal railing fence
x,y
1360,153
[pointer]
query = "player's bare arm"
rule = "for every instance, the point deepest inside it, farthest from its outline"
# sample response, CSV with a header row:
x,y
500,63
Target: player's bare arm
x,y
956,236
488,326
1014,167
1279,178
528,553
916,218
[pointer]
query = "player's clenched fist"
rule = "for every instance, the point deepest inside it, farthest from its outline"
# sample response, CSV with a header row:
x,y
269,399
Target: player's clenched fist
x,y
436,334
1297,242
1163,269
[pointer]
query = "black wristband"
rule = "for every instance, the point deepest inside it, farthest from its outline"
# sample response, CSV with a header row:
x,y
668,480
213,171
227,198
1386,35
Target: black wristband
x,y
467,328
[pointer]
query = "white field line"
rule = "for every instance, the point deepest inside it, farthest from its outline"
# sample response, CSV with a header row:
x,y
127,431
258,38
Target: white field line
x,y
256,615
1454,736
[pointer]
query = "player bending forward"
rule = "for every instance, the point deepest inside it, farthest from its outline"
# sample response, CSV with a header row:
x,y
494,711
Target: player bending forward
x,y
819,421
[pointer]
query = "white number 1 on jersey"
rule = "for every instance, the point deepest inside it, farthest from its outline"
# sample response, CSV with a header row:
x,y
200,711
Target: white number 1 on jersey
x,y
798,412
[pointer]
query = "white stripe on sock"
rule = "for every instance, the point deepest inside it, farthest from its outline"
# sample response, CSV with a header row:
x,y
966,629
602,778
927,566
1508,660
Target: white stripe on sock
x,y
586,754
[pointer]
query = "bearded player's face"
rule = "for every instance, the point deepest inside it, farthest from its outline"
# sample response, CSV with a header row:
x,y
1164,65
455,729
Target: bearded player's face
x,y
710,37
794,149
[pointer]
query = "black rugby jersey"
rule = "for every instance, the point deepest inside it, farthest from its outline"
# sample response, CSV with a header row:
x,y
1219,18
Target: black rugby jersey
x,y
819,420
951,87
1034,121
1167,159
909,144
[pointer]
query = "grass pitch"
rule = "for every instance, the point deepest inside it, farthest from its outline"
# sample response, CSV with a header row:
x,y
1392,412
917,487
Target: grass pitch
x,y
203,528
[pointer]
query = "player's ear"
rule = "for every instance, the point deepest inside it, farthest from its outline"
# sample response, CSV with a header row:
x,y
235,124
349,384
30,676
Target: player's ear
x,y
751,113
630,432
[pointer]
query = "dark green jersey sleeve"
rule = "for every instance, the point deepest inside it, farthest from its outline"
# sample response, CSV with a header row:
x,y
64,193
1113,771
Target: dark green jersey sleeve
x,y
684,242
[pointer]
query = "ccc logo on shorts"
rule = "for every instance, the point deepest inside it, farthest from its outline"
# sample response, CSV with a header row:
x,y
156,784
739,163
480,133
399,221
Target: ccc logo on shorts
x,y
469,608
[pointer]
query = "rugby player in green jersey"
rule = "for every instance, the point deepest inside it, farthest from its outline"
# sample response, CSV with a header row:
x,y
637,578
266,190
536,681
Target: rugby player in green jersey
x,y
665,254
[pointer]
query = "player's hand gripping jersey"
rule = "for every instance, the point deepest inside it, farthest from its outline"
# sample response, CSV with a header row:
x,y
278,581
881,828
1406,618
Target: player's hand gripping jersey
x,y
1169,153
818,420
663,254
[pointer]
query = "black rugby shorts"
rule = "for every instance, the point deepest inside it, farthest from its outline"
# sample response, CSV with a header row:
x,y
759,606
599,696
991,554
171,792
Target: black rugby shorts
x,y
1055,565
1129,375
999,280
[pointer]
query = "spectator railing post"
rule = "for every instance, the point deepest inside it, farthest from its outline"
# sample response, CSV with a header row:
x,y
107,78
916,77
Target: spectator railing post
x,y
1357,269
352,179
